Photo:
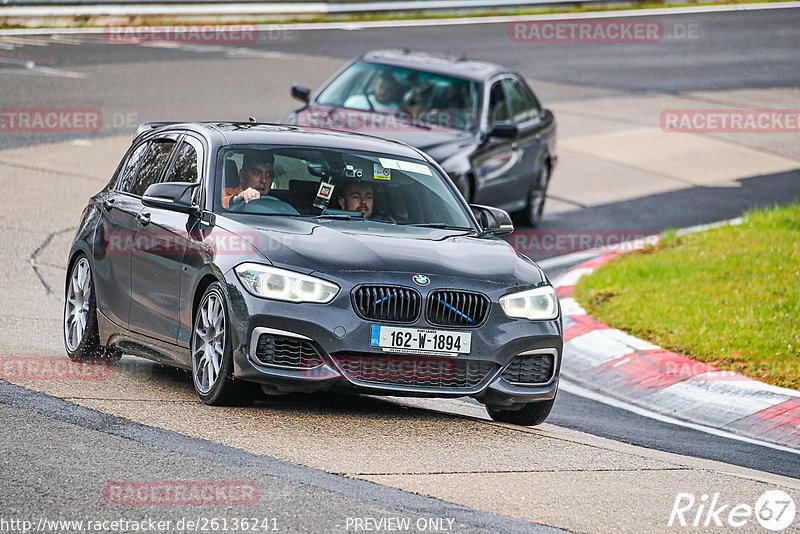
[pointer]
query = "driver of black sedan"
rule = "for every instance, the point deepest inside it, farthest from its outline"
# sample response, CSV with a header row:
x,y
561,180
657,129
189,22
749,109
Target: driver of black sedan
x,y
255,179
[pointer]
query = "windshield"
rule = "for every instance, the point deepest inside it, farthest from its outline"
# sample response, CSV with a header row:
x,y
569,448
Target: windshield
x,y
426,99
333,184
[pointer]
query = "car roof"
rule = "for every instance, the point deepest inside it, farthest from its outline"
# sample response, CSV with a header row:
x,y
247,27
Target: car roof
x,y
245,133
462,67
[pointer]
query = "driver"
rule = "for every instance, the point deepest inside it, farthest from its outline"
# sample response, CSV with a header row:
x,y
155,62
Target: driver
x,y
255,179
383,98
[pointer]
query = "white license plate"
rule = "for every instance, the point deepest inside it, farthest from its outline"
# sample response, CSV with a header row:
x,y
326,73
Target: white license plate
x,y
420,340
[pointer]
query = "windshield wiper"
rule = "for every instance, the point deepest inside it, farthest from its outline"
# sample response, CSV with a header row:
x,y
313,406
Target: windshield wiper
x,y
443,226
338,217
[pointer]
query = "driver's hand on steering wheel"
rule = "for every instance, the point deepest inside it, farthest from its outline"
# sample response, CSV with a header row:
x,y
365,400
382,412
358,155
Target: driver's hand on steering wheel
x,y
247,195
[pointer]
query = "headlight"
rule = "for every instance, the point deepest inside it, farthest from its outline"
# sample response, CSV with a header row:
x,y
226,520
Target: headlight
x,y
540,304
279,284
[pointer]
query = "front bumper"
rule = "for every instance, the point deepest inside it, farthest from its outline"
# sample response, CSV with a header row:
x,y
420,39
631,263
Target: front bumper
x,y
337,356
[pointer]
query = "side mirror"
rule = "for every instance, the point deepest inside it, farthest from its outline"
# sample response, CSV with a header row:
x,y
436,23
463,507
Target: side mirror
x,y
493,220
301,92
505,130
175,196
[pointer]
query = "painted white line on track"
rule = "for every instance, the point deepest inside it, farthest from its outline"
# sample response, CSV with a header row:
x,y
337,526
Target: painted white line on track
x,y
6,12
575,389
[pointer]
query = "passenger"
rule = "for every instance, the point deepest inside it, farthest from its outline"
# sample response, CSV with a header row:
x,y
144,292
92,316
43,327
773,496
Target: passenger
x,y
255,179
358,196
383,98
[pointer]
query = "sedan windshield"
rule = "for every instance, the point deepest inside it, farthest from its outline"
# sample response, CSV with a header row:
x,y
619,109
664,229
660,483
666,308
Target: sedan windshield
x,y
333,184
425,99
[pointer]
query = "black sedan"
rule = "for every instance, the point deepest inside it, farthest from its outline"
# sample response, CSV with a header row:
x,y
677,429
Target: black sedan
x,y
277,259
479,121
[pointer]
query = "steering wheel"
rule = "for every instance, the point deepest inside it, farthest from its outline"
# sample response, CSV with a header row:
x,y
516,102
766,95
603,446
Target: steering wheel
x,y
265,205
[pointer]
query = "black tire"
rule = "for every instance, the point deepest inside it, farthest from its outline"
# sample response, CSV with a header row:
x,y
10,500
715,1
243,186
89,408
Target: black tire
x,y
531,414
217,387
537,195
81,333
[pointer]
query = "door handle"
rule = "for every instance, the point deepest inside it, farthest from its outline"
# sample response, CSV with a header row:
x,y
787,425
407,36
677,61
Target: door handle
x,y
538,137
108,204
143,218
514,145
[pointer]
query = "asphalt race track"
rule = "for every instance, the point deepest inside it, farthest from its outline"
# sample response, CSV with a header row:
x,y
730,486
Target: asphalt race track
x,y
321,462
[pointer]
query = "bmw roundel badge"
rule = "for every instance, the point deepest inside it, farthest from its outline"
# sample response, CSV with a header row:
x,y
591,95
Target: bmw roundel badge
x,y
421,280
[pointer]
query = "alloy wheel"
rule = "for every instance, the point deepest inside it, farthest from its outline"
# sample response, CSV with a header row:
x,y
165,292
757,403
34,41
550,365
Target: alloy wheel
x,y
76,312
208,342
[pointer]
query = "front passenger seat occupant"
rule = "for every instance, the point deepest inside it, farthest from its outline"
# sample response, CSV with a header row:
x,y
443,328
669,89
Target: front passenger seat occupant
x,y
255,179
357,196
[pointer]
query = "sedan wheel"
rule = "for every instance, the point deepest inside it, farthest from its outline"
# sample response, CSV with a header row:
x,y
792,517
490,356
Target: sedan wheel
x,y
81,335
530,414
536,197
212,359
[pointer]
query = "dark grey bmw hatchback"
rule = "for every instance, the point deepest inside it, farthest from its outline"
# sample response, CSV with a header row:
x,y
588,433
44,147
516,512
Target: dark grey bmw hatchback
x,y
276,259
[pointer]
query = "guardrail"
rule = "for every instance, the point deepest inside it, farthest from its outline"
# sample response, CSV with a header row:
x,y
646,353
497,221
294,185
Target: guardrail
x,y
329,7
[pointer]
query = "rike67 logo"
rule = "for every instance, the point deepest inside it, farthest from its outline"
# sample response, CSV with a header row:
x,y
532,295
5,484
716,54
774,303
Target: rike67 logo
x,y
774,510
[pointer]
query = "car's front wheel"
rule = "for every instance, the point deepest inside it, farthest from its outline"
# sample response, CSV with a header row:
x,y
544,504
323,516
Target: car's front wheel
x,y
81,334
212,354
530,414
536,197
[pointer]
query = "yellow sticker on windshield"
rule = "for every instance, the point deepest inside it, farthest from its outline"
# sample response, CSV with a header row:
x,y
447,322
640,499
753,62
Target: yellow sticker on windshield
x,y
382,173
406,166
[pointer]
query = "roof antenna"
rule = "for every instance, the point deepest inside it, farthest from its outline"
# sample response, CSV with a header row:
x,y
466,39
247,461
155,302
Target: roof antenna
x,y
252,120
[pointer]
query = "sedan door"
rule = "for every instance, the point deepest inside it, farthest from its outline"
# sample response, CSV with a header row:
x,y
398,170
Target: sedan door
x,y
533,127
160,244
114,239
496,160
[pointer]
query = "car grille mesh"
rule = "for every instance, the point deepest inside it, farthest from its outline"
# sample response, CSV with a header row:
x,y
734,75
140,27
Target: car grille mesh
x,y
530,369
457,308
415,371
286,351
387,303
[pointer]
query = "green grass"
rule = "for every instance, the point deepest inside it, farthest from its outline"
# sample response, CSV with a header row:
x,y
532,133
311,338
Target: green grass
x,y
729,297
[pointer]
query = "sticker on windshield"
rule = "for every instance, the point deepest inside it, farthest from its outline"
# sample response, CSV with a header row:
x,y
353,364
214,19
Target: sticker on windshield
x,y
382,173
406,166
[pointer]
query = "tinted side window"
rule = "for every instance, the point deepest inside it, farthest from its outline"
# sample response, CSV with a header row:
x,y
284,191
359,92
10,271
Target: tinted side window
x,y
185,167
523,107
498,106
129,172
153,165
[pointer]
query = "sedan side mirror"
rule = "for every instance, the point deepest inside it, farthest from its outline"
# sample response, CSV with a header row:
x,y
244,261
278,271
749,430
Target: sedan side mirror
x,y
175,196
506,130
301,92
493,220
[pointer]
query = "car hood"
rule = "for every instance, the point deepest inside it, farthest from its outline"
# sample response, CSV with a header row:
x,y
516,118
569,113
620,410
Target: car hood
x,y
438,143
349,246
